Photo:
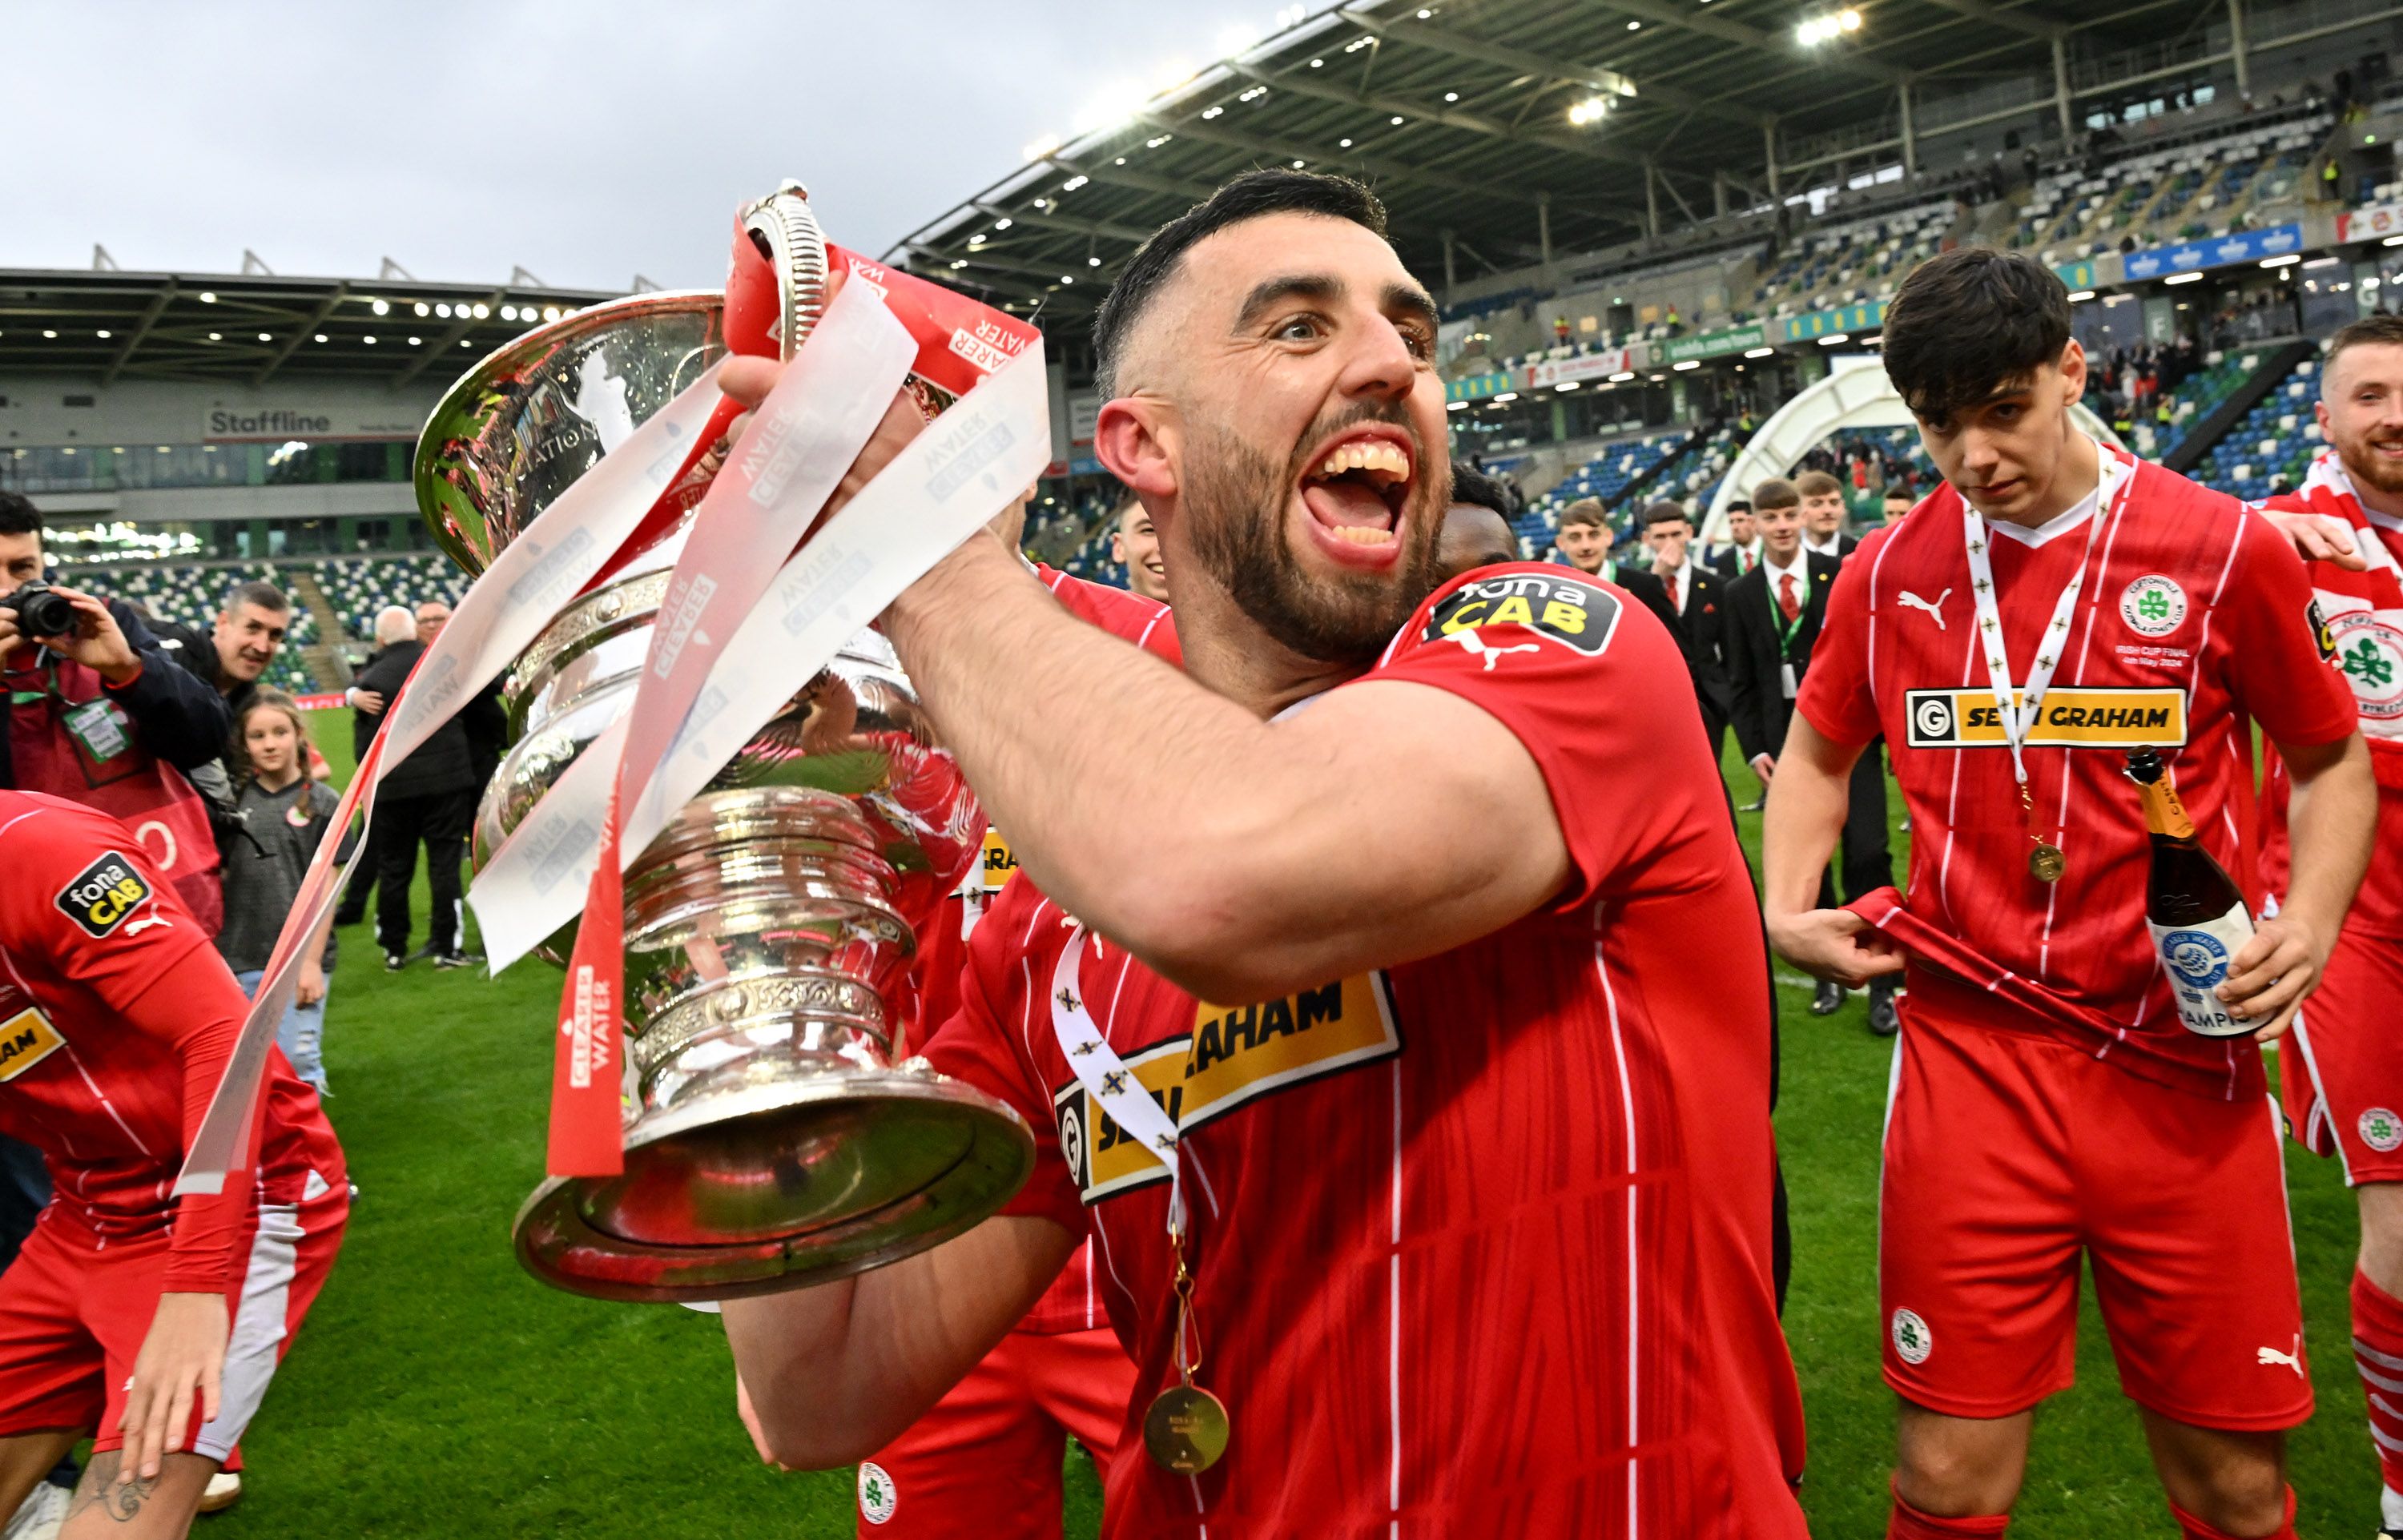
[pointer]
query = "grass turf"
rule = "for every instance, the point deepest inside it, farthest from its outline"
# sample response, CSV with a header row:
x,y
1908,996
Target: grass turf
x,y
437,1391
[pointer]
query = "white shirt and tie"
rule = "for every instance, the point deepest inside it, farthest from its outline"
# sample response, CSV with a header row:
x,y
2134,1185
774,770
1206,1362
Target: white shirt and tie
x,y
1789,589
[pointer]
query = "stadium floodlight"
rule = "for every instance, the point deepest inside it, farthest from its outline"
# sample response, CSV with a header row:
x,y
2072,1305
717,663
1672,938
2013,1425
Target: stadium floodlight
x,y
1042,148
1622,374
1092,261
1759,352
214,337
1826,28
54,336
1687,363
2081,297
417,341
379,307
1635,26
1299,164
1344,143
1569,384
1834,337
264,337
1591,110
207,298
1116,104
550,313
2287,261
1235,39
1455,406
102,334
1001,224
1074,182
2183,278
483,311
424,309
508,313
1451,96
1068,278
320,337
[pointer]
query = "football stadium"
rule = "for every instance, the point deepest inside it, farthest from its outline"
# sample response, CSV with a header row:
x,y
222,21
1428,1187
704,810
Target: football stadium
x,y
1663,247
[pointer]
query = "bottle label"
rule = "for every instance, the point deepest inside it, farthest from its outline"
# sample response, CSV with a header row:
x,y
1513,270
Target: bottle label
x,y
2196,958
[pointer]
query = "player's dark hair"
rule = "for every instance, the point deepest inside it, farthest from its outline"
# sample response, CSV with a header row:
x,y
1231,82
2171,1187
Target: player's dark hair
x,y
1971,323
1471,485
2370,331
1894,490
1254,195
1662,511
262,595
1739,504
18,515
1585,511
1775,492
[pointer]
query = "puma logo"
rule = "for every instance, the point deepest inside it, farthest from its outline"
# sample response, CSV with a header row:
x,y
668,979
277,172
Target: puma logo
x,y
2268,1356
1910,601
138,926
1476,644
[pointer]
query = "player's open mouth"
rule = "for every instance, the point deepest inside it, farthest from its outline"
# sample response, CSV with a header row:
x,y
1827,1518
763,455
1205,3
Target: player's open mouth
x,y
1356,489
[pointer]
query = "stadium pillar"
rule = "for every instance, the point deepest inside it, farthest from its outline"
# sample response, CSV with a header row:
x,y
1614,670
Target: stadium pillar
x,y
2060,87
1544,226
1448,279
2236,47
1718,194
1651,201
1768,147
1911,141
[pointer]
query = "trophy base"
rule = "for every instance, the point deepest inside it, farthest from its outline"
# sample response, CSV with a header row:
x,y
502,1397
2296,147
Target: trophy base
x,y
768,1187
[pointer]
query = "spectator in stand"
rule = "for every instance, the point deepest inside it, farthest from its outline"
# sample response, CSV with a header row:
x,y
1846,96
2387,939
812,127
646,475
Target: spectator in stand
x,y
427,798
286,815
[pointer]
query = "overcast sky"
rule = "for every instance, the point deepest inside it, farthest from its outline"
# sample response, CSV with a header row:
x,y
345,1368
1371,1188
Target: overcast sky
x,y
588,142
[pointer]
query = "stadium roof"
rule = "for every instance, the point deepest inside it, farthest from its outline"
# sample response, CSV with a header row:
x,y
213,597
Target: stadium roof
x,y
250,328
1460,112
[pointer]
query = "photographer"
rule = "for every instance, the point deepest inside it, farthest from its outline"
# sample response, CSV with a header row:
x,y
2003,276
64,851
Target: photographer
x,y
99,715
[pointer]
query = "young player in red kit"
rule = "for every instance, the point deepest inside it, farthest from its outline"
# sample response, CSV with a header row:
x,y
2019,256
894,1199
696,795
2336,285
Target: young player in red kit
x,y
2046,1099
2343,1080
1458,1220
153,1322
986,1458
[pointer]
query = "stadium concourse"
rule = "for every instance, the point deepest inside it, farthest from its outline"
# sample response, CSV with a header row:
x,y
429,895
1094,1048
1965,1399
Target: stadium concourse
x,y
1650,226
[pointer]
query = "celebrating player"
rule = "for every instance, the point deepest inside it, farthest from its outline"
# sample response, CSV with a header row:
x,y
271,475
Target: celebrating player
x,y
154,1324
1458,1219
2053,603
2344,1083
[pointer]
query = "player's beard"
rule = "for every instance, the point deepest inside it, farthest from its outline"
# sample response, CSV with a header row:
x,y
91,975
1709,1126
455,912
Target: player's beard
x,y
1235,501
2368,471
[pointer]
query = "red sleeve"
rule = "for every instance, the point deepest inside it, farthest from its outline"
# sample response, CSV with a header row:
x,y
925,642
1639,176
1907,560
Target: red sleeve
x,y
2271,649
195,1004
1127,616
82,897
1837,693
1596,691
980,1044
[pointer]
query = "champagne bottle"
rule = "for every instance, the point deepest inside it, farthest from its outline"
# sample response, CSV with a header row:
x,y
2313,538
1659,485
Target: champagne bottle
x,y
2193,908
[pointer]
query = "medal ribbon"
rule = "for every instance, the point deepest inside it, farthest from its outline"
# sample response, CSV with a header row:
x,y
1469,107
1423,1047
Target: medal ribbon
x,y
1115,1091
2019,717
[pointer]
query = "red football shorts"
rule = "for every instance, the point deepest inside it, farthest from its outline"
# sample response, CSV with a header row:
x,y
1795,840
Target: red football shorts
x,y
2006,1155
73,1316
986,1460
2342,1065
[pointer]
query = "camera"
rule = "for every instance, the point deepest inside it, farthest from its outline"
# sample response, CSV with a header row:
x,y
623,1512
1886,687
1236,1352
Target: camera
x,y
41,610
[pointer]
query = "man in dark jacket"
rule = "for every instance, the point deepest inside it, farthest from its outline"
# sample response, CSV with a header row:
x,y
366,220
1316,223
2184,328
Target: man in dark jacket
x,y
429,798
1698,595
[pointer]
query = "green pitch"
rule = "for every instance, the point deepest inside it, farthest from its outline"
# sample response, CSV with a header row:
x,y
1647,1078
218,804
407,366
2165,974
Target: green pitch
x,y
439,1391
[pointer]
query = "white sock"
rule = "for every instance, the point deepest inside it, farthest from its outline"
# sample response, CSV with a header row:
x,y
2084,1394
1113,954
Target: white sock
x,y
2390,1508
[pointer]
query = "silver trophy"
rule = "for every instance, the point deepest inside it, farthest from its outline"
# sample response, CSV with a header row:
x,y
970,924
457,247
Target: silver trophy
x,y
772,1140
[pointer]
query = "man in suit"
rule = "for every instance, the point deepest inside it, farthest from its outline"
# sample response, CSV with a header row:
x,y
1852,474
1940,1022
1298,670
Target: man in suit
x,y
1741,552
1699,596
1823,515
1772,617
1586,538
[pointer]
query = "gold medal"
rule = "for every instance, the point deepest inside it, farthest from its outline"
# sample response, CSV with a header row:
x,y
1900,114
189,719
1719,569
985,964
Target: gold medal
x,y
1186,1429
2046,862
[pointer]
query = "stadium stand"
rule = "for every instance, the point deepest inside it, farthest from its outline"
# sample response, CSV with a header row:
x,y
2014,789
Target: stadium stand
x,y
358,587
2181,193
192,596
1848,264
2269,449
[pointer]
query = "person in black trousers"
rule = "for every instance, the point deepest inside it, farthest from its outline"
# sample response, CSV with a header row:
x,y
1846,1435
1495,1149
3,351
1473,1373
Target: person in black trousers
x,y
427,798
1772,617
1698,597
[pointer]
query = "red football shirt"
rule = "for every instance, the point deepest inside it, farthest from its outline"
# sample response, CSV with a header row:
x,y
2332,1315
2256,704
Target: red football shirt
x,y
2194,622
2362,612
116,1019
1481,1242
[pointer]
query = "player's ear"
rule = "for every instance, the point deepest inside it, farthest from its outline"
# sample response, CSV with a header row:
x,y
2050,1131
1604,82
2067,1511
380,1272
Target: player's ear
x,y
1132,438
2073,373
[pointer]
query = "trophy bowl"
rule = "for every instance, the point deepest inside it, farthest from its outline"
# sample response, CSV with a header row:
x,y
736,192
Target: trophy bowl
x,y
773,1136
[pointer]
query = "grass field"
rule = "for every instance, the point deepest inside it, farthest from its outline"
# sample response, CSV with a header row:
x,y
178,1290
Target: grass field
x,y
437,1391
